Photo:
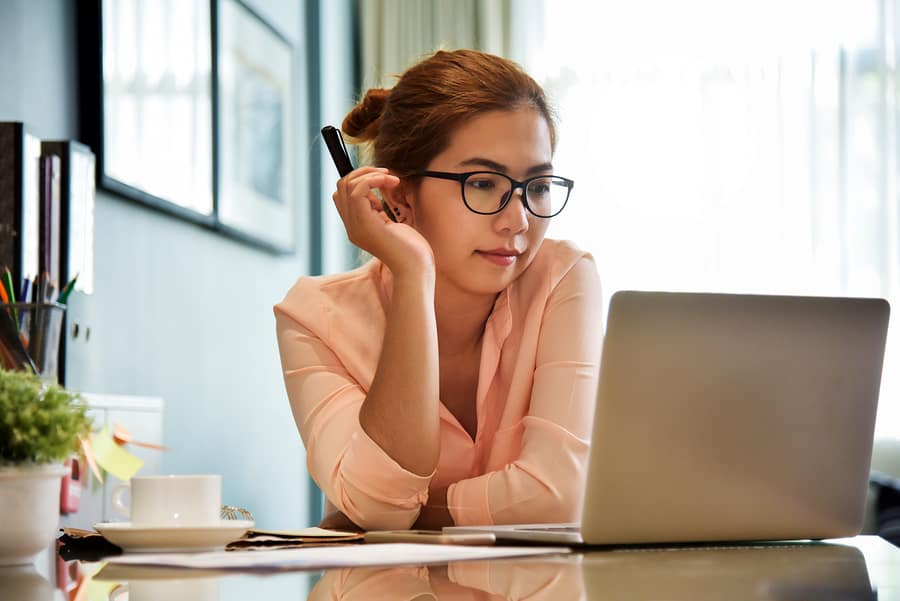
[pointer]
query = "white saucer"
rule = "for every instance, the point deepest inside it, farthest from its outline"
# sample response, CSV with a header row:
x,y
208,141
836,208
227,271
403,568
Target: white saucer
x,y
148,538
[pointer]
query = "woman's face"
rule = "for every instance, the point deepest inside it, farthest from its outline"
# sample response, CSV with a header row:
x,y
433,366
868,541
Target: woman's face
x,y
483,254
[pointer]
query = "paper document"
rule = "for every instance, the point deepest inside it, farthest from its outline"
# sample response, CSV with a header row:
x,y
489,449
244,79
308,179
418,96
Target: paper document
x,y
330,557
287,539
314,532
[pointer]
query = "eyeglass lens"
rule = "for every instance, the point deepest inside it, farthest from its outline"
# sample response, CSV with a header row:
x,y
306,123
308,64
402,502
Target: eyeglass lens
x,y
488,192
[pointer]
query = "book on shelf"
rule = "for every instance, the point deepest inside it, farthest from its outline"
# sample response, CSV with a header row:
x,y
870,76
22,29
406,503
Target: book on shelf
x,y
20,199
48,258
77,167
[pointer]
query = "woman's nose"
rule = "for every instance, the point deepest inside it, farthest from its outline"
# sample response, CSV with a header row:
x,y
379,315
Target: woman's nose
x,y
514,215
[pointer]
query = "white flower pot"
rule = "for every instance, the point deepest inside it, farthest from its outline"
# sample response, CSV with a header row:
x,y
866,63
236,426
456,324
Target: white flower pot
x,y
29,498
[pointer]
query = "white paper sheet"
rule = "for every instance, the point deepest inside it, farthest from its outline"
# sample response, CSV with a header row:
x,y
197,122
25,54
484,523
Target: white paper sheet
x,y
313,532
310,558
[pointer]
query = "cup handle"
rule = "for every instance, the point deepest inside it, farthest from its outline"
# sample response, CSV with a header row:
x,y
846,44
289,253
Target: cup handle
x,y
116,500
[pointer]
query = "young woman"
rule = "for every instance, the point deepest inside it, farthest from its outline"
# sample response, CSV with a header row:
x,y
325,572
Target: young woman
x,y
451,379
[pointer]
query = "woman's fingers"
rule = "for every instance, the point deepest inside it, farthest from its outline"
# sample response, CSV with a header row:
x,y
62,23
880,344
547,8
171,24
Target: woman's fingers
x,y
360,186
360,207
366,176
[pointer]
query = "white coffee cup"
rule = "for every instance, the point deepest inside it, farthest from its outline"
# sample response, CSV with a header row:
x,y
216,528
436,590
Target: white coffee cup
x,y
171,500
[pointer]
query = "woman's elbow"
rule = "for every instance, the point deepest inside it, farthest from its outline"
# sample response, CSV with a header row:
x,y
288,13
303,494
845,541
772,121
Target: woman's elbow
x,y
561,507
556,498
376,512
385,518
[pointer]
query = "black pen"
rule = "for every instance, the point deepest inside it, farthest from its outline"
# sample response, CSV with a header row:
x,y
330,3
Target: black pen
x,y
336,148
338,151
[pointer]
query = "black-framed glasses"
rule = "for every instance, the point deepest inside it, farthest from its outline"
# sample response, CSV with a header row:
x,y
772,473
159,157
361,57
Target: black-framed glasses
x,y
488,192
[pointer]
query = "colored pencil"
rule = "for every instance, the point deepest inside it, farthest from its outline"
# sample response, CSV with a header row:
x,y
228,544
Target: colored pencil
x,y
64,294
26,285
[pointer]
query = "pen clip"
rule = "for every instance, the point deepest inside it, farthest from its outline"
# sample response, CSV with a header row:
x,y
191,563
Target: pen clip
x,y
340,139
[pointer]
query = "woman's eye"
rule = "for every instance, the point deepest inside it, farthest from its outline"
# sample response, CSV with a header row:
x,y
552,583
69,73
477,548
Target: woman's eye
x,y
539,188
480,184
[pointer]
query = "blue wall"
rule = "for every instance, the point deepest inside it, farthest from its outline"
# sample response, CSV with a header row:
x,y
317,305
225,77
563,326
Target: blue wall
x,y
177,312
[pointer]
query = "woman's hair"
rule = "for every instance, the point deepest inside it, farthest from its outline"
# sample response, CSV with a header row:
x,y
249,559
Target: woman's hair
x,y
408,125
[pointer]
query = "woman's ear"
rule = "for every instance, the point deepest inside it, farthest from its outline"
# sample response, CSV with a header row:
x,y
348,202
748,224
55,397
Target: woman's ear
x,y
399,199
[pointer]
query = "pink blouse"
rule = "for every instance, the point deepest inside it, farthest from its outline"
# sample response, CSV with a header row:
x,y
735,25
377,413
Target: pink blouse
x,y
535,397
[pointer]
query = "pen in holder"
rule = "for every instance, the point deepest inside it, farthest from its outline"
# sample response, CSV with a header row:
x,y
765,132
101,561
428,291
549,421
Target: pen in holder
x,y
29,337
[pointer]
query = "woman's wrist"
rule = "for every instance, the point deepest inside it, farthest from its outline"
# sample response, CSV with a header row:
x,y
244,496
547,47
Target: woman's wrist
x,y
414,275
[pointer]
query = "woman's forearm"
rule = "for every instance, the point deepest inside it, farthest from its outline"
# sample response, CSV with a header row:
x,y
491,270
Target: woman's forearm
x,y
400,412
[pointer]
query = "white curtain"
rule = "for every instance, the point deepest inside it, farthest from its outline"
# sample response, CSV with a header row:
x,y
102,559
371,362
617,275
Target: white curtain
x,y
396,33
732,146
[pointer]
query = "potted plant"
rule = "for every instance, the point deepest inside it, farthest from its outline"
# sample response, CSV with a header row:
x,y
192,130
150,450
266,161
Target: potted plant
x,y
40,425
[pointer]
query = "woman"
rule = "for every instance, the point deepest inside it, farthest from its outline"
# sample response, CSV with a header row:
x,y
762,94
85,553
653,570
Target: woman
x,y
451,379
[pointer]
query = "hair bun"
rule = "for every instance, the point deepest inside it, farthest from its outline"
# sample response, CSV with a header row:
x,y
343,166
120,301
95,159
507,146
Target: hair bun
x,y
362,122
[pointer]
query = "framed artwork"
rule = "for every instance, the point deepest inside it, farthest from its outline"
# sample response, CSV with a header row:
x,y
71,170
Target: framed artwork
x,y
255,121
188,106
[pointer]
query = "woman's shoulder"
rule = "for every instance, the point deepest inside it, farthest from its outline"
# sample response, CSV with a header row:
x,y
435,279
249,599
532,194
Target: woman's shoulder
x,y
560,266
312,296
555,259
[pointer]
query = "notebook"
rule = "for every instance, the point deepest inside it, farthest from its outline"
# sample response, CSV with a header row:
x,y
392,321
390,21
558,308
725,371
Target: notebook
x,y
724,417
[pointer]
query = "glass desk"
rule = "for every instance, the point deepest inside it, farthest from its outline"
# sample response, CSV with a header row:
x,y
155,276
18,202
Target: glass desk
x,y
847,569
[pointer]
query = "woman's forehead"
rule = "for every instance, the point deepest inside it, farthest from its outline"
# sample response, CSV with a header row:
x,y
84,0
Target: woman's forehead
x,y
517,139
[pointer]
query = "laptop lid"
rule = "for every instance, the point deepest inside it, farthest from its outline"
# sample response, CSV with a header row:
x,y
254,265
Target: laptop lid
x,y
733,417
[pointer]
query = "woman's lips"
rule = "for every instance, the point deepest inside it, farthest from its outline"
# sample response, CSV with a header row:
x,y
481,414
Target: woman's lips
x,y
499,257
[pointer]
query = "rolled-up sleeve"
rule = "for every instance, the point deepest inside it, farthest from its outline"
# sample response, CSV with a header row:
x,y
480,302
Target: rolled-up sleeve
x,y
357,476
545,483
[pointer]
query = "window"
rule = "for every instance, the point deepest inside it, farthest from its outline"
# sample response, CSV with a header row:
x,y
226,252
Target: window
x,y
739,147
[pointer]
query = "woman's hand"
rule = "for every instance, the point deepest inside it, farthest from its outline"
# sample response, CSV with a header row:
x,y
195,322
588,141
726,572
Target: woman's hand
x,y
398,245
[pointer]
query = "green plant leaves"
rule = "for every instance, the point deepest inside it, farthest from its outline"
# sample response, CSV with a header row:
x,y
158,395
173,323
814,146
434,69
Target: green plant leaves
x,y
39,422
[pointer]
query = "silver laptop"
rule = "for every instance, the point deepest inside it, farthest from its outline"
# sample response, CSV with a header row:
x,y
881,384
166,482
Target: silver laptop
x,y
726,417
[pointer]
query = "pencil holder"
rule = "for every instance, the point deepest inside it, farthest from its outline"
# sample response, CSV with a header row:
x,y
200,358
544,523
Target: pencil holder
x,y
29,337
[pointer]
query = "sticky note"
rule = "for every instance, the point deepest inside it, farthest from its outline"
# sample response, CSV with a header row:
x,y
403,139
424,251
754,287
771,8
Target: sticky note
x,y
100,591
113,458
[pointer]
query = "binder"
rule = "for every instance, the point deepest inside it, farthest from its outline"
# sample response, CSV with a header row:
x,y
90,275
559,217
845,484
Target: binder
x,y
77,190
20,153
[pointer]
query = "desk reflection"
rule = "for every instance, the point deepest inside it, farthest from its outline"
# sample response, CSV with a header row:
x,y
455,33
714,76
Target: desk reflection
x,y
785,572
498,579
23,583
778,573
126,583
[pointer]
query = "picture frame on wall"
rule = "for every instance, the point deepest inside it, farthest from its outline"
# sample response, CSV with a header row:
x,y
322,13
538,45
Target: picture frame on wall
x,y
146,102
256,195
189,109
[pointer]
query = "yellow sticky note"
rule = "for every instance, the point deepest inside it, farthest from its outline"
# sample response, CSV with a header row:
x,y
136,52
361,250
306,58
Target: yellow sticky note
x,y
113,458
99,591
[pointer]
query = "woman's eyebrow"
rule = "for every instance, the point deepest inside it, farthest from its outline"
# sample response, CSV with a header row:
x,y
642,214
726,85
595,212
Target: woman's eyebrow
x,y
542,168
501,168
